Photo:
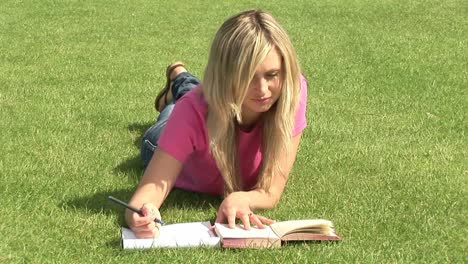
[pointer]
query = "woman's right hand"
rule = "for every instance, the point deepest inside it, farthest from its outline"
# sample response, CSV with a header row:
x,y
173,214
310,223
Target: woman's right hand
x,y
144,226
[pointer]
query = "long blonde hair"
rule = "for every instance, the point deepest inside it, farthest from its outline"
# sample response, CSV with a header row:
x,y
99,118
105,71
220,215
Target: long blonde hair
x,y
240,45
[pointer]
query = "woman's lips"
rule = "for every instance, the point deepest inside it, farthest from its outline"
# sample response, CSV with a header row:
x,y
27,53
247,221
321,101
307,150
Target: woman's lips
x,y
262,100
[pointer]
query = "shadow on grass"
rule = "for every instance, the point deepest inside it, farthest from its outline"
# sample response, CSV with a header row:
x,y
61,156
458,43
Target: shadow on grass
x,y
133,167
177,199
140,129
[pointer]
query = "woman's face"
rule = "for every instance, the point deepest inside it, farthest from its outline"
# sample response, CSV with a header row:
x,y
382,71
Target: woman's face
x,y
264,89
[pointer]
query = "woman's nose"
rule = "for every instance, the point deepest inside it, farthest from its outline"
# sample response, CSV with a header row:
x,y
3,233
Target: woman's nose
x,y
261,85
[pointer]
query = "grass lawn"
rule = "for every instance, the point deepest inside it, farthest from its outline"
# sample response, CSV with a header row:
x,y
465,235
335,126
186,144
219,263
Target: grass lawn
x,y
385,155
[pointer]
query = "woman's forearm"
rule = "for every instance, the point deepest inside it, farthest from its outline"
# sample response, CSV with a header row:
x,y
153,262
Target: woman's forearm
x,y
149,192
157,181
260,199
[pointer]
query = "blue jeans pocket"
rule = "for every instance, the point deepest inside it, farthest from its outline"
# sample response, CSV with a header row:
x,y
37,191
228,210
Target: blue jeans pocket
x,y
147,150
149,145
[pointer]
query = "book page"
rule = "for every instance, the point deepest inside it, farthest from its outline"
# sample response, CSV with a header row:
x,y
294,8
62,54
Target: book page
x,y
239,232
317,226
172,236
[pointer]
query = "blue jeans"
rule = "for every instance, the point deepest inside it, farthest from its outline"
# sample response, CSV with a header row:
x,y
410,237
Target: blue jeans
x,y
181,85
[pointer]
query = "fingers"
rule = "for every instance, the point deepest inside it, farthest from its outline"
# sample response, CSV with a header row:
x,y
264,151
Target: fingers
x,y
237,206
220,218
145,226
147,233
256,221
245,218
139,220
150,210
248,220
251,219
262,221
226,214
231,220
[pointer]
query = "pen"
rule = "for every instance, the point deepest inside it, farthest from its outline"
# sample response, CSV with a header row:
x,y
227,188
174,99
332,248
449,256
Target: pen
x,y
117,201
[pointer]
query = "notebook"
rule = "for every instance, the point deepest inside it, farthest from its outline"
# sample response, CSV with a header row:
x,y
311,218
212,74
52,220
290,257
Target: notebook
x,y
196,234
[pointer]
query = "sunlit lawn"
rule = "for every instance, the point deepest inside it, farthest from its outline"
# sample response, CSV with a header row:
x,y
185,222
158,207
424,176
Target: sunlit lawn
x,y
384,155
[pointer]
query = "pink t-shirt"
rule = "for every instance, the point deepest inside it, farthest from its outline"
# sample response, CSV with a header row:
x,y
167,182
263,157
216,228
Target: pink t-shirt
x,y
185,137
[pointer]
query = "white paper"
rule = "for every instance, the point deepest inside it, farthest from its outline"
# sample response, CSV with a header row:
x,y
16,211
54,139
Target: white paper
x,y
240,232
197,234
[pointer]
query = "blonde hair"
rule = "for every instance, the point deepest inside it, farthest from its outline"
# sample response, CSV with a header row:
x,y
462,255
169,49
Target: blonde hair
x,y
239,47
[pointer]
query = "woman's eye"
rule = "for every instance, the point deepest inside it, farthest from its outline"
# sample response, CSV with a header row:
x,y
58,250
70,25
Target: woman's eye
x,y
272,75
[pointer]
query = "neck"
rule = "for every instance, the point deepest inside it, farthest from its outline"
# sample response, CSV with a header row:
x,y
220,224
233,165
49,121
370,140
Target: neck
x,y
249,122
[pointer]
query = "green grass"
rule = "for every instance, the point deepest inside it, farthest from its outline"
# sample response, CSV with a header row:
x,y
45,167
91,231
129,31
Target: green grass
x,y
384,156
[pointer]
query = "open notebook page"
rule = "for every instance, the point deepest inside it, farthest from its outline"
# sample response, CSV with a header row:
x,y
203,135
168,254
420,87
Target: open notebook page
x,y
195,234
320,226
239,232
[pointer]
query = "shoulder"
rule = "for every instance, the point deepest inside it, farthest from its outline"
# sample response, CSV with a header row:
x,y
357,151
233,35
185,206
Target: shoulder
x,y
301,112
304,85
185,130
190,112
193,100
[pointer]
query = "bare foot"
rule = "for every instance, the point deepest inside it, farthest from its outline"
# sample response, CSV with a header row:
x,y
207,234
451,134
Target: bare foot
x,y
168,96
177,70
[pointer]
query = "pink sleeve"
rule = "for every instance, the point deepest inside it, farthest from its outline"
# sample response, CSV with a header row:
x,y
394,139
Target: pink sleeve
x,y
301,120
179,138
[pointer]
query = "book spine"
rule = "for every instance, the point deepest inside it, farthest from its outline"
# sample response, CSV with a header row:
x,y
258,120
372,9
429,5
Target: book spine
x,y
251,243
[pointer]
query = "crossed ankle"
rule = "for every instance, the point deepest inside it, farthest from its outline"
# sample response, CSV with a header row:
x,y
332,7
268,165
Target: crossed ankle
x,y
178,70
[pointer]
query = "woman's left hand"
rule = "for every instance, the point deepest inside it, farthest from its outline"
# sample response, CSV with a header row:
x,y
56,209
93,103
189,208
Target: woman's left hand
x,y
237,205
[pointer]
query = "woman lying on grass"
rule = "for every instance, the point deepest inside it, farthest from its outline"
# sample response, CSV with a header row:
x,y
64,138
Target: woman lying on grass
x,y
234,134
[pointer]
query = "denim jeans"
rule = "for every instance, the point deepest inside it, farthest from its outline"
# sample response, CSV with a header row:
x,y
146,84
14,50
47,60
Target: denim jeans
x,y
181,85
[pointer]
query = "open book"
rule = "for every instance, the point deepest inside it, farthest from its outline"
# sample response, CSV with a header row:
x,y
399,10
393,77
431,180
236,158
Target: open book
x,y
196,234
276,234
